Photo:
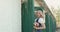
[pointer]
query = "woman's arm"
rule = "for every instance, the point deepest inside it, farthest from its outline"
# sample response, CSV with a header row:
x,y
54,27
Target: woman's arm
x,y
43,26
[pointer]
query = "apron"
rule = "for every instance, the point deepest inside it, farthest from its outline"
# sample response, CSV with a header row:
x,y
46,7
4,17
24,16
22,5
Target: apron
x,y
38,30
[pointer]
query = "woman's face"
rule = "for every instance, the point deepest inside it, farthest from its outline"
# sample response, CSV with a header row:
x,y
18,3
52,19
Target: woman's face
x,y
38,14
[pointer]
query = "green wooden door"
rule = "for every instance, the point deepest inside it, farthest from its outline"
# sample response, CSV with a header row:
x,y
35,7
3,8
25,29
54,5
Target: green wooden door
x,y
27,16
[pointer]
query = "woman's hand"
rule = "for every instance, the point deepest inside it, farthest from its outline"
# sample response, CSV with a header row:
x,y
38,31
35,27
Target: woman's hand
x,y
36,24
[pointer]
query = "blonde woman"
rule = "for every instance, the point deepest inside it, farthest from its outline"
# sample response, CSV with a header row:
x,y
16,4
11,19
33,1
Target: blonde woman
x,y
39,23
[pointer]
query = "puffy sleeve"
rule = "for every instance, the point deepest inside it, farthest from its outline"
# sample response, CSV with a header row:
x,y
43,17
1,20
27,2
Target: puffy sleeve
x,y
41,20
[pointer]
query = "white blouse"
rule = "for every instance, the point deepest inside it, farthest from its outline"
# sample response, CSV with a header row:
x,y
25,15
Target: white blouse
x,y
41,20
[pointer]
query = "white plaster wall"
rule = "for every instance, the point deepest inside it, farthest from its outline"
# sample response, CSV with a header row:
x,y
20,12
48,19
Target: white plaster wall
x,y
10,16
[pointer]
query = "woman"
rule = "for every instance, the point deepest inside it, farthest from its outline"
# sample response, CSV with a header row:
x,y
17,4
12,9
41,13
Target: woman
x,y
39,23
